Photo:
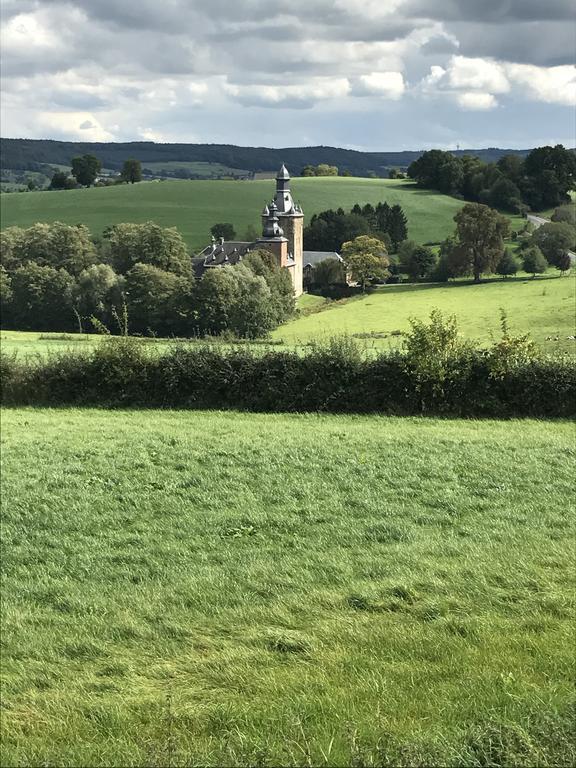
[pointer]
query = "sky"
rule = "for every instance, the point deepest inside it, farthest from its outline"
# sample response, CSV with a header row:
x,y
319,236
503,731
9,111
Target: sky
x,y
371,75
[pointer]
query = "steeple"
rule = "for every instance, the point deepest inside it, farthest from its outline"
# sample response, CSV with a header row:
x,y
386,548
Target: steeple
x,y
283,199
272,227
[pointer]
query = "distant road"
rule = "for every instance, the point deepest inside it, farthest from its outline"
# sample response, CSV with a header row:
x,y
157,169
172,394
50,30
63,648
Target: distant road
x,y
538,221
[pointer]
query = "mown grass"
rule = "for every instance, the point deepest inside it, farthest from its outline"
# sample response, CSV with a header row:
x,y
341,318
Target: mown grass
x,y
544,307
224,589
194,206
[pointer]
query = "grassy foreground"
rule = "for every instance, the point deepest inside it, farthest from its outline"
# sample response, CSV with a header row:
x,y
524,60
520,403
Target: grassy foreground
x,y
194,206
225,589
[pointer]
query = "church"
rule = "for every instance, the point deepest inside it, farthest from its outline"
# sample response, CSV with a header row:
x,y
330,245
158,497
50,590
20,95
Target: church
x,y
282,235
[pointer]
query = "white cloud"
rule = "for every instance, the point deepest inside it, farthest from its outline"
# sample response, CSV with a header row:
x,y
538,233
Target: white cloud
x,y
296,96
476,100
389,85
79,126
476,74
554,85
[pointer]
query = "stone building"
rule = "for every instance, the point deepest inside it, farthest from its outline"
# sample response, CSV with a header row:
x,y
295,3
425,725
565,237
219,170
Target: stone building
x,y
282,235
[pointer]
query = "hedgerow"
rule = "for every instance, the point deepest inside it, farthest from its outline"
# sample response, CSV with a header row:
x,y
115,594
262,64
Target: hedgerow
x,y
333,378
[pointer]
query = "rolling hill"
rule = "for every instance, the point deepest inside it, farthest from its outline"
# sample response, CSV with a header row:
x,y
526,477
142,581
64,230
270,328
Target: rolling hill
x,y
194,206
29,154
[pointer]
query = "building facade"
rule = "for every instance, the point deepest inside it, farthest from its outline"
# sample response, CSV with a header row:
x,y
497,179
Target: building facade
x,y
282,235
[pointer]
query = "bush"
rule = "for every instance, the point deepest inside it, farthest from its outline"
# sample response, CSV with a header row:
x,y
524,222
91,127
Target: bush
x,y
438,374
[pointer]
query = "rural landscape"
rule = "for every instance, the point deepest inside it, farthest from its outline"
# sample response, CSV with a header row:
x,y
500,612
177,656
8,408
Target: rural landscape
x,y
287,431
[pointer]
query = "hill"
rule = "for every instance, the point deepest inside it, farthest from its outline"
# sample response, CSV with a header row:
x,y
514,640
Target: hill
x,y
543,307
34,154
194,206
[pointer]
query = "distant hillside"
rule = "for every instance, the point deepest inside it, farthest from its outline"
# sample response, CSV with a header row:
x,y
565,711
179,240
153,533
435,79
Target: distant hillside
x,y
35,154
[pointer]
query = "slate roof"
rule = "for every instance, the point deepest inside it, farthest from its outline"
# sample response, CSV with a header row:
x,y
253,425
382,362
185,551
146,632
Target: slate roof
x,y
220,254
312,258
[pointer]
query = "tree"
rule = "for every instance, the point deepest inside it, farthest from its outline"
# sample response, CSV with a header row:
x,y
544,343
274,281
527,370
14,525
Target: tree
x,y
328,272
550,175
57,245
397,226
252,315
566,214
132,171
508,264
42,298
505,195
6,295
61,180
148,243
85,169
155,299
533,261
226,231
554,240
216,294
98,290
564,262
481,232
262,263
251,234
421,262
366,259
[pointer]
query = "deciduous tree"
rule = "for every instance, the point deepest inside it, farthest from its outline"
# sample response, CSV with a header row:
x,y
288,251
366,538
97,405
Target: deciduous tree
x,y
85,169
366,259
481,232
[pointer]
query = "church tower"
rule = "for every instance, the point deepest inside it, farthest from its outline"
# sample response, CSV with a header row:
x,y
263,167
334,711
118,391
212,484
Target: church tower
x,y
291,219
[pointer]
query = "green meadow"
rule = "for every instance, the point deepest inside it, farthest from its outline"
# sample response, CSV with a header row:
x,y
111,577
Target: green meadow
x,y
224,589
194,206
544,307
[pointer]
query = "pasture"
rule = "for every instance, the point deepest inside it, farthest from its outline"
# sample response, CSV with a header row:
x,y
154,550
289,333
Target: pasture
x,y
543,307
225,589
194,206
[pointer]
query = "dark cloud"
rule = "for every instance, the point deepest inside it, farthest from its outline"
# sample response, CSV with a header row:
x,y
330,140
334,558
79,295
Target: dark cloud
x,y
493,11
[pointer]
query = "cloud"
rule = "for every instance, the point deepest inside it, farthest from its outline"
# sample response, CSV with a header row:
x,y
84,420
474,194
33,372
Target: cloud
x,y
476,100
388,85
86,125
140,68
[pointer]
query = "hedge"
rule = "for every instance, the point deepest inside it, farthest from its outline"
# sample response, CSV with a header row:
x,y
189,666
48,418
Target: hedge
x,y
334,379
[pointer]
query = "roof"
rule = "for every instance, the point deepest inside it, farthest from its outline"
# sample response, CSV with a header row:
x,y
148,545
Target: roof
x,y
283,173
312,258
220,254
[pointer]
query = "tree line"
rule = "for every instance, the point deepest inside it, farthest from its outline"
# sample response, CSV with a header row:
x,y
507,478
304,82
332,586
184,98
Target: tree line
x,y
543,179
56,277
329,230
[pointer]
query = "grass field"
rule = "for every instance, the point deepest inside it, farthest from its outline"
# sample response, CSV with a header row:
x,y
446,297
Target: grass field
x,y
224,589
544,307
194,206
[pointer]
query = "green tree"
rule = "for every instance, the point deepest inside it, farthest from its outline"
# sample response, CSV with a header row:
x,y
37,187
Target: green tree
x,y
42,298
155,300
58,245
481,232
366,259
505,195
508,264
554,240
224,230
61,180
565,214
564,262
327,273
216,295
422,262
85,169
148,243
397,226
549,176
263,264
6,295
252,315
533,261
99,289
132,171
